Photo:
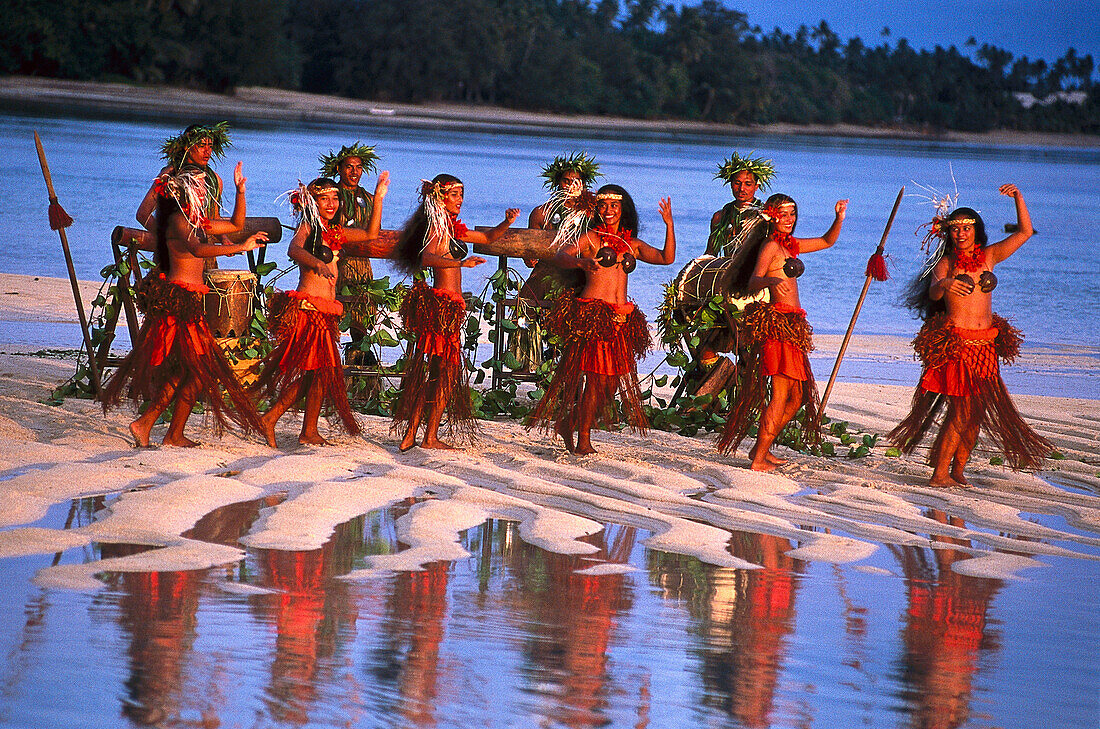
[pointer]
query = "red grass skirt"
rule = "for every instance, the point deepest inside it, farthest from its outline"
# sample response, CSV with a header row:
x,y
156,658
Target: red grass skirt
x,y
175,342
307,335
777,339
961,368
436,317
601,346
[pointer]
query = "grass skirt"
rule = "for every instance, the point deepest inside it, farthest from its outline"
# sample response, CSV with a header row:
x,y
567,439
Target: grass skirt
x,y
307,332
961,367
436,317
601,345
776,338
174,342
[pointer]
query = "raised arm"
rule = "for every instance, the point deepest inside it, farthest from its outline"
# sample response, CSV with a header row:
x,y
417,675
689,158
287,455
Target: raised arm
x,y
808,245
183,231
235,223
1000,251
666,255
363,242
481,238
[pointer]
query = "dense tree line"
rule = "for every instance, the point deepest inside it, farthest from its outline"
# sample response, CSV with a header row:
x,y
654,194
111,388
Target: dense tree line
x,y
638,58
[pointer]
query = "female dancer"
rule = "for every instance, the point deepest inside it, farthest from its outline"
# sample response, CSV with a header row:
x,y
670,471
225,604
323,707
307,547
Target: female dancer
x,y
306,322
603,333
959,345
176,360
434,379
777,337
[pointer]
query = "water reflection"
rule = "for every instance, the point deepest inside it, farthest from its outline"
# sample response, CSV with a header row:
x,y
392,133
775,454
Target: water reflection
x,y
744,618
945,633
157,613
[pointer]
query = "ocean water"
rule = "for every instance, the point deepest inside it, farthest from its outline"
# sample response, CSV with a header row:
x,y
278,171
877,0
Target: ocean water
x,y
1050,288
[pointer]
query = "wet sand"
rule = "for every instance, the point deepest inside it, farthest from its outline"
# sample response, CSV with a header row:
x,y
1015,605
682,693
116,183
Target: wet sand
x,y
677,488
38,95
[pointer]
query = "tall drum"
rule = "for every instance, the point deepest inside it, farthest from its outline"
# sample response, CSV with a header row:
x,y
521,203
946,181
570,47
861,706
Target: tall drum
x,y
228,305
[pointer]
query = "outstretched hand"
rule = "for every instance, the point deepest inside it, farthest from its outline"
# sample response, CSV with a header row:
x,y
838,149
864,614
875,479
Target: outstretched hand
x,y
841,209
238,176
1010,190
511,214
665,206
472,261
383,185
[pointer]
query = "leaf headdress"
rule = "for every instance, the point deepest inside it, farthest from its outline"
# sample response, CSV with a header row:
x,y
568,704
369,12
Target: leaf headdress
x,y
762,169
330,163
579,162
175,148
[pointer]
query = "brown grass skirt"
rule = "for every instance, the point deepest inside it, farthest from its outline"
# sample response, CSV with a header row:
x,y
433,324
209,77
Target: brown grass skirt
x,y
437,318
961,368
307,332
601,345
760,328
174,342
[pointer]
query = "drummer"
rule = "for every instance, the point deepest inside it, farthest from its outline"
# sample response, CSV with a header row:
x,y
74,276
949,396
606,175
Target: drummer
x,y
348,166
603,332
191,150
737,227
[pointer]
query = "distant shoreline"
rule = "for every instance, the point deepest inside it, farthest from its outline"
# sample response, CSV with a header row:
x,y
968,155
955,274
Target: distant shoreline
x,y
41,95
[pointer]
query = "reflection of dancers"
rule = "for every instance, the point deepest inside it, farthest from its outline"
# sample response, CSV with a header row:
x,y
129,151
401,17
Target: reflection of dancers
x,y
414,625
158,610
310,611
745,617
579,614
945,631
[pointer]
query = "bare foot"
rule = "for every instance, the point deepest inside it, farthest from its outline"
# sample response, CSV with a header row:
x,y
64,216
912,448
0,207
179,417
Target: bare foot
x,y
943,482
312,439
584,447
762,465
180,442
269,430
768,456
959,478
140,433
566,435
437,444
408,442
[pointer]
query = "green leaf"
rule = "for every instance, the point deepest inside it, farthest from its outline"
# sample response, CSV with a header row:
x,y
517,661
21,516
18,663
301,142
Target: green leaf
x,y
1057,456
997,461
660,381
265,268
509,325
893,452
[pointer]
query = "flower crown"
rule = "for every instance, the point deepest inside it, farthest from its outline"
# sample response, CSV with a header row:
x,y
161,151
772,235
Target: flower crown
x,y
330,163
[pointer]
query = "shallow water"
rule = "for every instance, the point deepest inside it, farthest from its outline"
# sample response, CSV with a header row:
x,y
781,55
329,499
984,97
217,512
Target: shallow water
x,y
1051,287
513,635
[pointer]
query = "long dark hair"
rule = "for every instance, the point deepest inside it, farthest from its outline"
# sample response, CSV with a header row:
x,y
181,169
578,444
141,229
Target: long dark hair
x,y
166,207
410,243
916,297
752,252
629,218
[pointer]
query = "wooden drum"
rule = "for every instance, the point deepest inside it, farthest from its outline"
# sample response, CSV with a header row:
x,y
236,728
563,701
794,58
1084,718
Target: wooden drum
x,y
708,276
228,306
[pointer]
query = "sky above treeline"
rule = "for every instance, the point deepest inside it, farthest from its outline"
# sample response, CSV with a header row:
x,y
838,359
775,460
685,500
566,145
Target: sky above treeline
x,y
1032,28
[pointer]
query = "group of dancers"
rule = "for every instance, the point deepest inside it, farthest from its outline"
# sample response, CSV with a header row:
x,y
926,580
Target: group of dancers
x,y
601,334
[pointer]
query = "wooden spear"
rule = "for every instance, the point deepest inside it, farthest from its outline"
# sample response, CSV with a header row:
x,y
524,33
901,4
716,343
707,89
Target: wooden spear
x,y
876,269
59,220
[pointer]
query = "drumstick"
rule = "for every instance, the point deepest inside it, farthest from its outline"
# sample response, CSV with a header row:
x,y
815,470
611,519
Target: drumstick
x,y
876,269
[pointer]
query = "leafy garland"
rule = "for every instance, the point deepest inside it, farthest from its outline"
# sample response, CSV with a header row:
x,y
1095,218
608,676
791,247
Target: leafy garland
x,y
330,163
175,148
762,169
578,162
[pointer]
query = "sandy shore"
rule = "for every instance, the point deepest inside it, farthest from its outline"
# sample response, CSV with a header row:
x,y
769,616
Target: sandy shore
x,y
678,488
36,95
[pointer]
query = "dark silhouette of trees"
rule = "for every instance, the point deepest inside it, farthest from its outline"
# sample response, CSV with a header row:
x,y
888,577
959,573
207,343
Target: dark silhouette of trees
x,y
635,58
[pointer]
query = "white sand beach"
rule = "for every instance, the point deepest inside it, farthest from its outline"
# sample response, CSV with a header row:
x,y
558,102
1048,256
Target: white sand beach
x,y
683,492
